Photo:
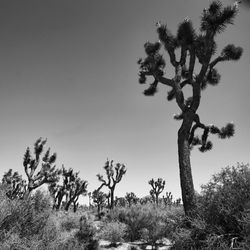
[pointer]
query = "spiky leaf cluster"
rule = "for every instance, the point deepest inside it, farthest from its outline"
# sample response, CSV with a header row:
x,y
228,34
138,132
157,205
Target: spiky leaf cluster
x,y
47,173
16,187
186,33
231,52
202,49
216,18
213,77
223,133
166,37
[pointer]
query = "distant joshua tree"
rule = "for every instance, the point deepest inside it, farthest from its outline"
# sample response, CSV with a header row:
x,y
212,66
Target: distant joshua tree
x,y
157,188
70,189
47,172
131,198
114,176
99,198
196,69
168,199
16,186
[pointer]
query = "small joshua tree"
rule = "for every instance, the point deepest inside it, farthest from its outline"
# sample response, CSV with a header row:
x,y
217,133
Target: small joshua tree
x,y
114,176
99,198
168,199
47,173
16,186
131,198
157,188
195,68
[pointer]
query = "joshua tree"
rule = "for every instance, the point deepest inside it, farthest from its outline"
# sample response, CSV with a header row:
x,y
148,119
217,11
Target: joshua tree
x,y
194,68
16,186
114,176
47,173
120,201
69,191
146,199
168,199
157,188
99,199
131,198
74,187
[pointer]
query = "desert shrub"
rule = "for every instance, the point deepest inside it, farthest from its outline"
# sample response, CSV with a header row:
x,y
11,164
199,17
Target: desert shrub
x,y
222,214
146,222
69,221
86,235
23,217
225,198
113,231
244,222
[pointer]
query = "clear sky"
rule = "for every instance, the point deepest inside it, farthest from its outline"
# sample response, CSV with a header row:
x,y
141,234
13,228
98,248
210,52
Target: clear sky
x,y
69,74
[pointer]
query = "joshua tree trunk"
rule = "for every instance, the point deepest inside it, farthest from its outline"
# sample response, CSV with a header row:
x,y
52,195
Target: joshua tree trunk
x,y
112,198
186,179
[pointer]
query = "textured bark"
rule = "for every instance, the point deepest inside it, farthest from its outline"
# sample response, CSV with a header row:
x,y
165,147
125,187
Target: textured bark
x,y
186,179
112,198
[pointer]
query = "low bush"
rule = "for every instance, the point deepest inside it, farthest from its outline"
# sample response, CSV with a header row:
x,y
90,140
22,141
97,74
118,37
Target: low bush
x,y
114,232
86,235
223,219
145,222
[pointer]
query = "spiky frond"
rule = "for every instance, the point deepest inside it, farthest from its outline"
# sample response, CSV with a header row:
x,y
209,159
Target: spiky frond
x,y
186,33
166,37
213,77
215,7
202,49
215,19
227,131
152,48
208,146
231,52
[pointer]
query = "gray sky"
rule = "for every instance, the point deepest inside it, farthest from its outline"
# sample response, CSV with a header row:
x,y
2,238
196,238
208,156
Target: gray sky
x,y
69,74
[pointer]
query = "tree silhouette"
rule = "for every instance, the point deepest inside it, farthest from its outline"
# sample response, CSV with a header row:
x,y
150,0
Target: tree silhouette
x,y
131,198
114,176
99,199
16,187
47,173
168,199
70,190
196,69
157,188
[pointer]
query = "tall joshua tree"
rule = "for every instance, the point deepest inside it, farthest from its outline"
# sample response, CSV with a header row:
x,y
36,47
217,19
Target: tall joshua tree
x,y
157,188
114,176
194,68
99,199
47,173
